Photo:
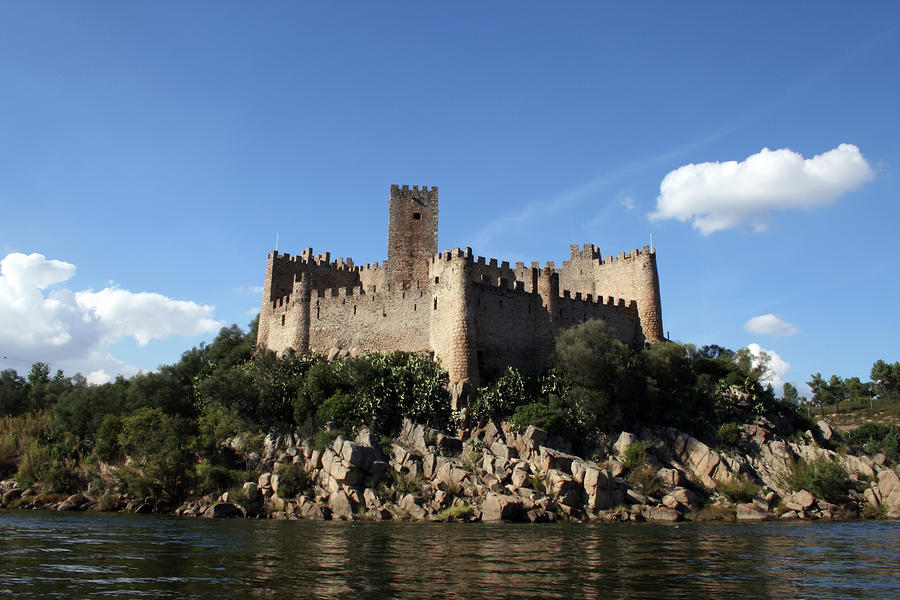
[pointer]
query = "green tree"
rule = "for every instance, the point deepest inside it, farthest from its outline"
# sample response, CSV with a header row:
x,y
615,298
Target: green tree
x,y
595,364
13,393
857,391
837,391
886,379
158,445
790,393
820,392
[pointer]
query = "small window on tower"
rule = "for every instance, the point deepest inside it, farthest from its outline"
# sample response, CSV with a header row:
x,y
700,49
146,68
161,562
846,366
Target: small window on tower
x,y
417,216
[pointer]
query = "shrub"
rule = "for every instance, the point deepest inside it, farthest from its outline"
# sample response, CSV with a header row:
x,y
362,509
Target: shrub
x,y
644,477
324,439
824,479
499,399
635,454
538,484
741,489
729,435
404,484
875,437
158,445
107,447
552,419
216,478
293,479
34,464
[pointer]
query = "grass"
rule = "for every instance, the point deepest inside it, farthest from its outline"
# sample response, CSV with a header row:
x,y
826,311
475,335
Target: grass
x,y
741,489
462,512
645,479
713,512
856,413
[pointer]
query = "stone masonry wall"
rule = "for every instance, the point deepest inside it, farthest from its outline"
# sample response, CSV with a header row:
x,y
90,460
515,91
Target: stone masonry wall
x,y
473,313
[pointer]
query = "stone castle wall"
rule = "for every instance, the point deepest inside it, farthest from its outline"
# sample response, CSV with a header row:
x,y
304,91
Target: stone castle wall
x,y
475,315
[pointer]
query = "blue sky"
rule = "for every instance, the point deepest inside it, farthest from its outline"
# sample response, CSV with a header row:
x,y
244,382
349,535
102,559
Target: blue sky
x,y
150,152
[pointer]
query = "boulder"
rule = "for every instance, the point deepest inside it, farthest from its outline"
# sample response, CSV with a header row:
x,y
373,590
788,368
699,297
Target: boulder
x,y
661,513
340,505
752,512
315,512
889,490
563,487
265,480
534,436
412,504
825,430
625,439
669,478
449,445
449,473
799,501
223,510
519,475
73,502
556,459
686,497
503,451
251,490
499,507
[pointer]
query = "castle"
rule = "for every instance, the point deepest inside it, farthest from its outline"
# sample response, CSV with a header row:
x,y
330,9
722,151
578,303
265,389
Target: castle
x,y
476,316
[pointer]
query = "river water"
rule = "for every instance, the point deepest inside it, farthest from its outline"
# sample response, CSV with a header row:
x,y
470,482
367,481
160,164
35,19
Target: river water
x,y
66,555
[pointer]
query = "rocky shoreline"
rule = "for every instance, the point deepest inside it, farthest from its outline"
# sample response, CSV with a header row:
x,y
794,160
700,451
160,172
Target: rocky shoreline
x,y
494,473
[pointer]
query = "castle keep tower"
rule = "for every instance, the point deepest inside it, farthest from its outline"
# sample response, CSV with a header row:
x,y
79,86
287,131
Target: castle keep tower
x,y
475,315
412,232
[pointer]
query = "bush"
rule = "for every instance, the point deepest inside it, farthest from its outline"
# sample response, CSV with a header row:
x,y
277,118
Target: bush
x,y
34,464
555,420
293,479
878,438
635,454
324,439
742,489
645,478
500,398
729,435
158,445
824,479
217,478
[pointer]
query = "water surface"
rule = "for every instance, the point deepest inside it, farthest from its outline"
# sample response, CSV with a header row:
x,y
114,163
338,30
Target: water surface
x,y
66,555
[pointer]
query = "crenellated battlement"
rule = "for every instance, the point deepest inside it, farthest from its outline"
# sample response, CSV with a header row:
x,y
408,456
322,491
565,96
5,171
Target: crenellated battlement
x,y
643,251
405,189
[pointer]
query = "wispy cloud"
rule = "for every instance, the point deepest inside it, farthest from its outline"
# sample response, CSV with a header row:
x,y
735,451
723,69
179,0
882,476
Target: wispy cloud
x,y
590,190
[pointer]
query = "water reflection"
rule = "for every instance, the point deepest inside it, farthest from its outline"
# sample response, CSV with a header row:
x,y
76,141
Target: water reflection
x,y
65,555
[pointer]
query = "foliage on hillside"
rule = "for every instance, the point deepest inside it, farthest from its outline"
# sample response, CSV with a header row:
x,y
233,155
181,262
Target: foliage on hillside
x,y
191,425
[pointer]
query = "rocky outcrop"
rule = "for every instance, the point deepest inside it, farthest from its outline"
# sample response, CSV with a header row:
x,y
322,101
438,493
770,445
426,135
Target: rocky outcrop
x,y
496,473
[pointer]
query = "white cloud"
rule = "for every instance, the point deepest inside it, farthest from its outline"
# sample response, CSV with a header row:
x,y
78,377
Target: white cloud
x,y
777,367
718,196
71,330
770,325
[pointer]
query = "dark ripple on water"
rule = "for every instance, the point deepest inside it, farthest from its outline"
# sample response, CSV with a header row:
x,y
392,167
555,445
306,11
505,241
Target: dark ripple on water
x,y
50,555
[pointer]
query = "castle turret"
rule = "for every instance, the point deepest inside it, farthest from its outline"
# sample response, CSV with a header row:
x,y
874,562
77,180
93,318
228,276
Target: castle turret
x,y
412,232
453,321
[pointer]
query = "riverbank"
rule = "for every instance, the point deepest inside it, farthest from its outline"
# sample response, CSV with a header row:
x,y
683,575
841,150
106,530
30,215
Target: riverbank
x,y
495,473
